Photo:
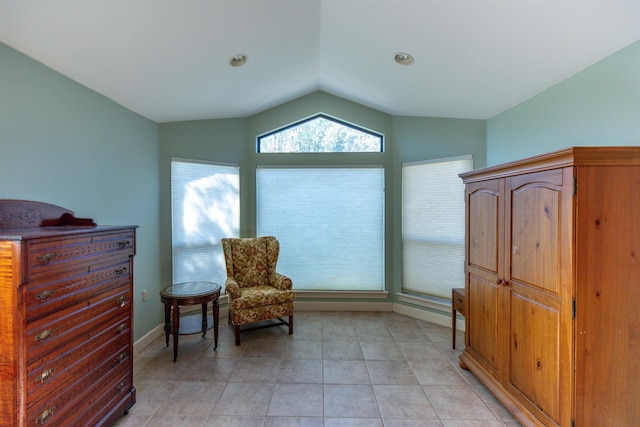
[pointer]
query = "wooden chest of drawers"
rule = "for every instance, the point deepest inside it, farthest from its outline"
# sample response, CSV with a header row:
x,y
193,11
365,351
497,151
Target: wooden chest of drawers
x,y
65,319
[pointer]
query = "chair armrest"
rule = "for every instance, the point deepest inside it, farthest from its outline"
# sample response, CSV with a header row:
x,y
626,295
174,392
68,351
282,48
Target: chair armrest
x,y
280,281
232,287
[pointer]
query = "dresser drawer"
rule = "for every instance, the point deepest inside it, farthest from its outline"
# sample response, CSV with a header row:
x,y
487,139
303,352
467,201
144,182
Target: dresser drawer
x,y
47,255
76,358
118,390
60,407
81,320
457,300
78,285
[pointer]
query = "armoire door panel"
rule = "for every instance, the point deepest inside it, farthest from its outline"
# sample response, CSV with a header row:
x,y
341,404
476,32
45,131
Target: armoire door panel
x,y
483,320
483,229
535,236
534,368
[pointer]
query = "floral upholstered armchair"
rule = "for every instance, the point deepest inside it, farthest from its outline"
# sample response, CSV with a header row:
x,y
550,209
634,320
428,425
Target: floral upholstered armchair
x,y
256,291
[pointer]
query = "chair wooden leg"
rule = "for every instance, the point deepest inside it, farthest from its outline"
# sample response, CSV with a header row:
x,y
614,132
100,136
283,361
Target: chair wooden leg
x,y
237,328
290,325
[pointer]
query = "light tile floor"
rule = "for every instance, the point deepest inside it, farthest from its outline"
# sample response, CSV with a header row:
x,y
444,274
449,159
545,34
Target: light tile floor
x,y
338,369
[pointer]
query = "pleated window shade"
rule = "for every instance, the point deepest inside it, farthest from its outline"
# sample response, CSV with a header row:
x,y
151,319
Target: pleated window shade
x,y
433,215
205,207
330,224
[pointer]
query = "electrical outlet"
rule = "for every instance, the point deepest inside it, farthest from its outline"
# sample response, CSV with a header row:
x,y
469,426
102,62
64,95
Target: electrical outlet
x,y
144,295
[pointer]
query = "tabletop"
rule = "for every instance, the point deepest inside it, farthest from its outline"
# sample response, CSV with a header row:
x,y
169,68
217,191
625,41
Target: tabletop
x,y
190,289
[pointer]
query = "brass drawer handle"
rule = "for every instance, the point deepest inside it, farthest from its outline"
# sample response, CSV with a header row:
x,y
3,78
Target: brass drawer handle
x,y
46,414
121,270
122,357
123,327
44,295
123,243
121,386
44,335
122,301
47,258
44,376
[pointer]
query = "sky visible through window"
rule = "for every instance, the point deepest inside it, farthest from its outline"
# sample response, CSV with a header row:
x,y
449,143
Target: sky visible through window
x,y
320,134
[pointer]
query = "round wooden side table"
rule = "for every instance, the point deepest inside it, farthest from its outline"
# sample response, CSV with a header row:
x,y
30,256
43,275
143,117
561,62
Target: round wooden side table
x,y
189,293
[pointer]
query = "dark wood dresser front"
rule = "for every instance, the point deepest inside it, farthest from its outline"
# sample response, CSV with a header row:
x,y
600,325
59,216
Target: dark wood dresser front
x,y
66,313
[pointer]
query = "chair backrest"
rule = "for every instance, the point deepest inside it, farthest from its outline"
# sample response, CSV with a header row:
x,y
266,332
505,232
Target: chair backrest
x,y
252,260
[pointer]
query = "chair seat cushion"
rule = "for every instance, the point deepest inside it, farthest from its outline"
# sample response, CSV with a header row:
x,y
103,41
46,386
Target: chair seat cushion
x,y
261,295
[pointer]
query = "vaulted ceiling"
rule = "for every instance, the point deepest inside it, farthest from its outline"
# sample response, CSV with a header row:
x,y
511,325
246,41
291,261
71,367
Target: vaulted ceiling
x,y
168,60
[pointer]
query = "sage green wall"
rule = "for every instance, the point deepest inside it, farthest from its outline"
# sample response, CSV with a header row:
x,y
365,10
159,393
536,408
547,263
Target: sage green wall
x,y
234,141
598,106
64,144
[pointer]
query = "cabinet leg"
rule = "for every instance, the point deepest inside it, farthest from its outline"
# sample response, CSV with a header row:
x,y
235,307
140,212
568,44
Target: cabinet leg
x,y
453,327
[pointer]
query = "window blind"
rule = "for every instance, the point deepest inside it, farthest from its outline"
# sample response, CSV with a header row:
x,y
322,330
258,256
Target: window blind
x,y
205,207
433,227
330,224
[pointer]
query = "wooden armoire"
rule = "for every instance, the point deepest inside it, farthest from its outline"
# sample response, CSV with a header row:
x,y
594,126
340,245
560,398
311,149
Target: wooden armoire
x,y
66,296
553,286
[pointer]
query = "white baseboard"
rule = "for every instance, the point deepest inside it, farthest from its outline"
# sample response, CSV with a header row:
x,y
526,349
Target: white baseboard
x,y
342,306
148,338
439,318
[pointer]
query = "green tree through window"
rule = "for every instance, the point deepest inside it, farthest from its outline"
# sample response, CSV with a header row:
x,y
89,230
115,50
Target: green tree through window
x,y
320,134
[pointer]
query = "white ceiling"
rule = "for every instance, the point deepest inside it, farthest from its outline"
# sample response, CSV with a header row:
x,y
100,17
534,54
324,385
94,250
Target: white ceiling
x,y
168,60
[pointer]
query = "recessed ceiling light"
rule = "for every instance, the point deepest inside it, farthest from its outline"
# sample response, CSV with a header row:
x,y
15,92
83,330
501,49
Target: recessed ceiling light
x,y
403,58
238,60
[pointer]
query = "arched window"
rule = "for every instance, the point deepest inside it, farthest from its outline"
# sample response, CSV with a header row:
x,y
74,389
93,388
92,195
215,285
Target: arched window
x,y
320,134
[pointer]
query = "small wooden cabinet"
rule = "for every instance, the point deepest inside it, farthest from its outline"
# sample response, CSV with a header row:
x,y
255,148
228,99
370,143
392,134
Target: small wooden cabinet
x,y
65,317
457,306
552,281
